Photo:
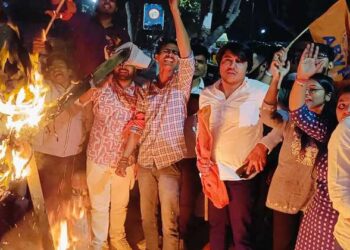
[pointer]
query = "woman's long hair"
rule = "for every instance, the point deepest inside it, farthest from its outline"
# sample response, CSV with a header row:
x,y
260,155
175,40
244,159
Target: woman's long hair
x,y
327,115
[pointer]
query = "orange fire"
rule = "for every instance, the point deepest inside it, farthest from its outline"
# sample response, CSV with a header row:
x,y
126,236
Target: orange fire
x,y
20,163
63,243
20,115
24,110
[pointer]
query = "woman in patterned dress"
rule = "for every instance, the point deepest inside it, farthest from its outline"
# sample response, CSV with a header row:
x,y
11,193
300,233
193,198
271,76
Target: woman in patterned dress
x,y
317,123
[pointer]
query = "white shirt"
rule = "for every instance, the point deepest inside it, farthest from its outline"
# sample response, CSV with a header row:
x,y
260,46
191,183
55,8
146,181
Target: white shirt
x,y
64,136
234,124
339,180
198,89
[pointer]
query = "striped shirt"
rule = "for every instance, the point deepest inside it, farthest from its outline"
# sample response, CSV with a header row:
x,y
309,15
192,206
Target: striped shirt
x,y
162,142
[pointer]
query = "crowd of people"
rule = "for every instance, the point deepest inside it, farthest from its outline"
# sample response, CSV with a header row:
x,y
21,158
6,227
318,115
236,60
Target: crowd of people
x,y
131,130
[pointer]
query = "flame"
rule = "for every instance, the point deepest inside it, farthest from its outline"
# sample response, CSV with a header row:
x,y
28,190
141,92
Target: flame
x,y
19,164
3,149
70,228
24,109
5,175
4,55
77,208
20,112
14,159
63,243
81,214
24,106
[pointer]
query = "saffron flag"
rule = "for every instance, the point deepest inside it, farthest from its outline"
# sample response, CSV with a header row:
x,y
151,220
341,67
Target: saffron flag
x,y
213,187
332,28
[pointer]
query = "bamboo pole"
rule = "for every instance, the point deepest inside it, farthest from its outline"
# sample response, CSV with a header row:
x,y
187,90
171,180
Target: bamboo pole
x,y
53,18
39,205
295,39
206,214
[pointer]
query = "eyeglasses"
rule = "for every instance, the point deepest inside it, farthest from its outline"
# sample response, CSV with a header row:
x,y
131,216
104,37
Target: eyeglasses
x,y
168,51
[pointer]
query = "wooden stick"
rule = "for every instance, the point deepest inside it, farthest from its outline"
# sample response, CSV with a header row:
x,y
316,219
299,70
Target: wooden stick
x,y
53,18
206,208
36,194
295,39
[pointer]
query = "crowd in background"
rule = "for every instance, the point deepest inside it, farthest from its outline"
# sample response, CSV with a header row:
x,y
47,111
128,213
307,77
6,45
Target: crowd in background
x,y
266,138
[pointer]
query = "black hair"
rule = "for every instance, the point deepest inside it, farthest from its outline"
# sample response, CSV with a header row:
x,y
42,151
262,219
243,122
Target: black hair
x,y
343,90
163,43
327,115
200,50
241,50
119,17
263,49
285,89
328,111
323,51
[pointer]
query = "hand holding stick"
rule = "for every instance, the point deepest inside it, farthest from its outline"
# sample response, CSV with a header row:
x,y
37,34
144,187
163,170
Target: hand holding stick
x,y
53,17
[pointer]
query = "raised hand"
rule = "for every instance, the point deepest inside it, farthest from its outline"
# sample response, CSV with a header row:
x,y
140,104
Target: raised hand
x,y
39,45
280,66
274,69
308,65
173,3
281,56
284,69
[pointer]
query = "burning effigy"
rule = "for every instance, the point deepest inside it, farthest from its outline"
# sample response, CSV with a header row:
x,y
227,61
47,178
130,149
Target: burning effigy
x,y
24,110
21,106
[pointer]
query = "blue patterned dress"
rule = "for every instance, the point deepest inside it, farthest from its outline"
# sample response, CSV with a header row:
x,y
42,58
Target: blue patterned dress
x,y
317,226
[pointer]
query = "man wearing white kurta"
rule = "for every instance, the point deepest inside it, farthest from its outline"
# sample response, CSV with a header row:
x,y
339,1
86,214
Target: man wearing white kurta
x,y
236,129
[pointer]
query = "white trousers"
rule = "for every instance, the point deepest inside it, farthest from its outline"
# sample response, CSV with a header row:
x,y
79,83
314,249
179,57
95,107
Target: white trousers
x,y
109,196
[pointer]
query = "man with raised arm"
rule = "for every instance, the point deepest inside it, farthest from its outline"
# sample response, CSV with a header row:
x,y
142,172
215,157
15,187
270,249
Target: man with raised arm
x,y
162,144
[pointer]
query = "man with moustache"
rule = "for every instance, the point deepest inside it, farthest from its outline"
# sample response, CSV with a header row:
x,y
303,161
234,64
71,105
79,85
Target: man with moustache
x,y
162,143
201,56
114,106
234,123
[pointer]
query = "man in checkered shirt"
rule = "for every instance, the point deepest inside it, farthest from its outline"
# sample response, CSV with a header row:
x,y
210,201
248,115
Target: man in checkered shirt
x,y
162,143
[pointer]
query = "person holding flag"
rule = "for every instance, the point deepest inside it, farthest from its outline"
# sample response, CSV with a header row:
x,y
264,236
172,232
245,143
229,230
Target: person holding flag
x,y
332,29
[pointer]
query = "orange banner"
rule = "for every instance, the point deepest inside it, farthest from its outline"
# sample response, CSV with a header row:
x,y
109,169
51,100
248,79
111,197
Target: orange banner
x,y
332,28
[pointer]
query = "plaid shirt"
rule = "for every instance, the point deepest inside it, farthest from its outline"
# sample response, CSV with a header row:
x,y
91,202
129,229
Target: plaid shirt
x,y
162,141
113,108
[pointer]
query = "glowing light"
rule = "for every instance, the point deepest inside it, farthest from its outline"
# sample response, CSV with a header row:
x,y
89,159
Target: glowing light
x,y
24,109
21,112
19,163
3,148
63,243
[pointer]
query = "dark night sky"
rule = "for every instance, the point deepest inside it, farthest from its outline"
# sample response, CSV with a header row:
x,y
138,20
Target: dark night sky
x,y
296,14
